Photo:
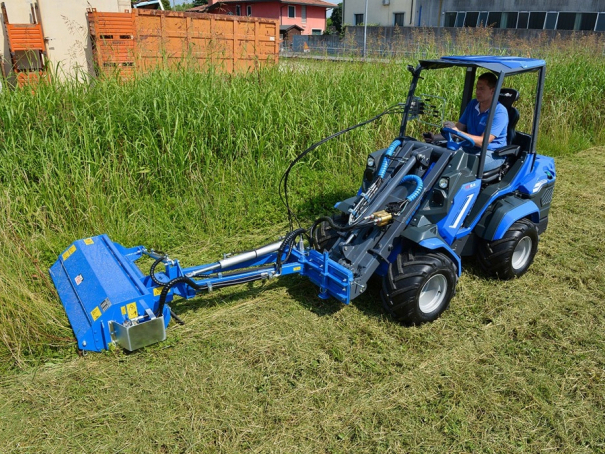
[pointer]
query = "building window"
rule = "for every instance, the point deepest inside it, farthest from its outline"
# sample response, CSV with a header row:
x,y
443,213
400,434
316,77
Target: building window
x,y
358,19
588,21
238,10
460,19
471,19
303,14
536,20
509,20
291,11
600,27
449,19
316,31
249,10
523,20
398,19
551,21
494,19
482,19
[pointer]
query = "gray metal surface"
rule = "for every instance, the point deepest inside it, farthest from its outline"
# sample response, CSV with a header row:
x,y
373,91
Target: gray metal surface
x,y
135,336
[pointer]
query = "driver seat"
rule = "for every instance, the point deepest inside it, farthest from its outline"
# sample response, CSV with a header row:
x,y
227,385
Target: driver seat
x,y
507,97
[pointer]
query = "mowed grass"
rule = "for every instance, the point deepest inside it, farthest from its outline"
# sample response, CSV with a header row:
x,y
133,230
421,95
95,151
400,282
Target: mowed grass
x,y
514,366
190,163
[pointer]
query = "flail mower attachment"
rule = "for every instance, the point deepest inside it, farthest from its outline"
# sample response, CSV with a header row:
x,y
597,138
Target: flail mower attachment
x,y
108,300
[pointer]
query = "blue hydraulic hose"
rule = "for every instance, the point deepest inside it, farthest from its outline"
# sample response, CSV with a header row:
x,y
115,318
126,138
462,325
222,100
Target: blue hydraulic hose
x,y
385,158
419,185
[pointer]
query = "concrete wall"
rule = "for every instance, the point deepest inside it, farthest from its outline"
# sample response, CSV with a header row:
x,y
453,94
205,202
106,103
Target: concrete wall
x,y
403,41
65,29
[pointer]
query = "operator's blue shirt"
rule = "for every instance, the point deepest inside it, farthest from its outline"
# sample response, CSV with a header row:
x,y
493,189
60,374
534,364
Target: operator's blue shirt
x,y
475,122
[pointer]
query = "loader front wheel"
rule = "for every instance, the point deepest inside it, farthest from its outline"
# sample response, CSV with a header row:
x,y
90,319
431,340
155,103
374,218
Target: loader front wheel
x,y
418,286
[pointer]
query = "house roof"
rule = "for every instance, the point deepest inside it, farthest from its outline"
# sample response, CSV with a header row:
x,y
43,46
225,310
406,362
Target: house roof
x,y
204,8
199,9
287,28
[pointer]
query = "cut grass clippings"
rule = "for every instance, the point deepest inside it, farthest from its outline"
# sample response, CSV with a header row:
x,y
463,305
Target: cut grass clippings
x,y
516,366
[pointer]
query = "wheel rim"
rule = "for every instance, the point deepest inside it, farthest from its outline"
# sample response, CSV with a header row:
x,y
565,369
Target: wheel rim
x,y
433,293
521,253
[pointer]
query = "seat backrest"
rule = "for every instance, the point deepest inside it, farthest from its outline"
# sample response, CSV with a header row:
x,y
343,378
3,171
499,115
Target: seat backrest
x,y
507,97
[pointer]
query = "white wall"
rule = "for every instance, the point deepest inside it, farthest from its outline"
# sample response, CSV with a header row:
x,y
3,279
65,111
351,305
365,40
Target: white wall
x,y
65,29
378,13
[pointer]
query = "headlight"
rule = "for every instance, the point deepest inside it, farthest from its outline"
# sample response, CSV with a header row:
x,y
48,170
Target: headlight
x,y
443,183
371,161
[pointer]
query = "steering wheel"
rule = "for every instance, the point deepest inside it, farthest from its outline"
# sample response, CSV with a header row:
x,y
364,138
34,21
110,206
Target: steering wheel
x,y
453,144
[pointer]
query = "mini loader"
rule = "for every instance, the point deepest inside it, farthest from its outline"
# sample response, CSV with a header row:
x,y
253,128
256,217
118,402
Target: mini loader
x,y
421,207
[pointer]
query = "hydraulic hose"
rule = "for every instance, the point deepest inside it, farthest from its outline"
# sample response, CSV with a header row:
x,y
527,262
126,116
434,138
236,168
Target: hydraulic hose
x,y
152,271
419,185
191,283
288,240
283,183
385,158
342,228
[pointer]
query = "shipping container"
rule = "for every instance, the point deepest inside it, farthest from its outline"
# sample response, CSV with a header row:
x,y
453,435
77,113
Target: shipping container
x,y
145,39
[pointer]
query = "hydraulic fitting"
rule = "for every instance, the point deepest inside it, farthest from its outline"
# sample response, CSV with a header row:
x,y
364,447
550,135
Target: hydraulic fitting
x,y
381,218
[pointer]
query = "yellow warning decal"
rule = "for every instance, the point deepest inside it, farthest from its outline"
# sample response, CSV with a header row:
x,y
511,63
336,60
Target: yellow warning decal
x,y
157,291
68,252
88,241
296,268
123,310
96,313
132,310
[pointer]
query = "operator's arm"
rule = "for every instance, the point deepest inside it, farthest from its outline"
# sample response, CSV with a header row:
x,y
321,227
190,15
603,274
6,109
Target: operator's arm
x,y
477,139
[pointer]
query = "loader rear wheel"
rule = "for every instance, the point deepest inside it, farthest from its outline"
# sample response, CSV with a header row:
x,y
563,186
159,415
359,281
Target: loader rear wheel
x,y
324,236
418,286
512,255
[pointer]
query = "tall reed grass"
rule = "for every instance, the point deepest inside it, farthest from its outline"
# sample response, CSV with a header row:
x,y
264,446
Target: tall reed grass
x,y
176,158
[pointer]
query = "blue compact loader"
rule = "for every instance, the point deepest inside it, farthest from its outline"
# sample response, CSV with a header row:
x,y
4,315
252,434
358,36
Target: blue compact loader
x,y
422,206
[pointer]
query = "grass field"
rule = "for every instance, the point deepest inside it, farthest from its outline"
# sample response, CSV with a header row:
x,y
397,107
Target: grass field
x,y
190,163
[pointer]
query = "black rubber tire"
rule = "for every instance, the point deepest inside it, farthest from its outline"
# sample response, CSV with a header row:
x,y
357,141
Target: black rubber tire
x,y
497,257
408,276
324,236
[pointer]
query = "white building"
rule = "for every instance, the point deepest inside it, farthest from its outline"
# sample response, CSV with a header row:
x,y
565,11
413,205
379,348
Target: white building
x,y
380,12
65,30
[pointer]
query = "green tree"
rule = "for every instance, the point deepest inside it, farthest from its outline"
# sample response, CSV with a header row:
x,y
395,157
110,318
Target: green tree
x,y
337,18
200,2
183,6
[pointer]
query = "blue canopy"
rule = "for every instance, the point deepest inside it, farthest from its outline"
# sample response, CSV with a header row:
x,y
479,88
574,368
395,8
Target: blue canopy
x,y
492,63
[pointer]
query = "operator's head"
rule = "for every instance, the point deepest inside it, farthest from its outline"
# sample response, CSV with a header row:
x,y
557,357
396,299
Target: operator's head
x,y
486,86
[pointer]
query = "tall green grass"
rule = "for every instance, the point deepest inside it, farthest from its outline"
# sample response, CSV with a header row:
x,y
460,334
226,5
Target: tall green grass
x,y
175,158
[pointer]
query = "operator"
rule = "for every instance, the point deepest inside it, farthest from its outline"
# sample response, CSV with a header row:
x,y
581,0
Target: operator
x,y
473,121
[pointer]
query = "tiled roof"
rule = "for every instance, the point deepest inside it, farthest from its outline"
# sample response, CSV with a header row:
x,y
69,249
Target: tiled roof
x,y
204,8
199,9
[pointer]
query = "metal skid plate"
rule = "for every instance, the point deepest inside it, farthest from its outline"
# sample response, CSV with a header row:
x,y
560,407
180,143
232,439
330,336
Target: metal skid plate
x,y
135,336
98,282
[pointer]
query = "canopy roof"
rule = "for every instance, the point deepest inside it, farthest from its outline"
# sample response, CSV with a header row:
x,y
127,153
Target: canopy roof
x,y
492,63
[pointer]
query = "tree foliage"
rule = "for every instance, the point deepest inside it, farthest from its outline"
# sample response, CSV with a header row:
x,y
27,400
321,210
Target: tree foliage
x,y
337,18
